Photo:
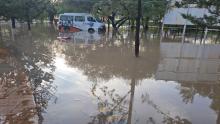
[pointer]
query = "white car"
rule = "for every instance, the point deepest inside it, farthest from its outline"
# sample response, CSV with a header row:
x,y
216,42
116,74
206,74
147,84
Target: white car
x,y
73,22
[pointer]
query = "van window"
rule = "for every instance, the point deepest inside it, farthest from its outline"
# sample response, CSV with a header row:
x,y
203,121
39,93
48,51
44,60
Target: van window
x,y
91,19
79,18
70,18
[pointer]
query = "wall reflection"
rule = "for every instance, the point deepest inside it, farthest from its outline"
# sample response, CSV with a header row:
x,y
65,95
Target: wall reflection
x,y
195,67
113,58
165,85
189,62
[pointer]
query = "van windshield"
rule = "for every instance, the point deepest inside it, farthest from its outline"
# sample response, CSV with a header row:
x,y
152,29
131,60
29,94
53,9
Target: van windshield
x,y
91,19
98,19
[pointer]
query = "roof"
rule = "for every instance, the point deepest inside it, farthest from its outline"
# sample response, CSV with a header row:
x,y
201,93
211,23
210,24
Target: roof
x,y
174,16
77,14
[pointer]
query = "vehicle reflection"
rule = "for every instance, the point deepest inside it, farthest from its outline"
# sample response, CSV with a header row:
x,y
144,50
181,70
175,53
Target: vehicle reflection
x,y
82,37
95,79
113,59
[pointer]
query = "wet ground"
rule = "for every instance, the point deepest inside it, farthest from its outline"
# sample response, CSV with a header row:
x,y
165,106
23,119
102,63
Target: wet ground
x,y
95,79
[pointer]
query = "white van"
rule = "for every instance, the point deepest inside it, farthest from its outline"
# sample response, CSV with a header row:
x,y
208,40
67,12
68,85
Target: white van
x,y
73,22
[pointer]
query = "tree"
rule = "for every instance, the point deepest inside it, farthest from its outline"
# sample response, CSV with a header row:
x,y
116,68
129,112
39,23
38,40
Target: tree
x,y
137,36
81,6
26,10
153,10
31,9
210,19
51,11
113,10
119,11
10,10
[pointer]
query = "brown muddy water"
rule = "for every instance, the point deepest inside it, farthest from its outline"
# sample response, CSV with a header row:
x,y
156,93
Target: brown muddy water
x,y
95,79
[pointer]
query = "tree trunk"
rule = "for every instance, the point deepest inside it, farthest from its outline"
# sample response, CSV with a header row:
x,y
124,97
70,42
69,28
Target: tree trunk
x,y
112,19
142,22
114,25
118,24
28,19
217,38
146,26
160,24
196,34
108,25
29,24
218,118
41,20
51,18
129,22
202,35
137,37
132,24
13,22
0,33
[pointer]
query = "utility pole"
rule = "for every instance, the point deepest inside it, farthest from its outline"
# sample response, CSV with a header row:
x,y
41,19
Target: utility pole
x,y
137,37
185,25
131,101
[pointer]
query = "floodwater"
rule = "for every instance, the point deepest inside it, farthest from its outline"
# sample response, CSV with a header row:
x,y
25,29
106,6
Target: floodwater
x,y
95,79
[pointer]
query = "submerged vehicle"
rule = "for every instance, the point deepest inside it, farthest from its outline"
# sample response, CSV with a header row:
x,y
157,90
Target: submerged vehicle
x,y
74,22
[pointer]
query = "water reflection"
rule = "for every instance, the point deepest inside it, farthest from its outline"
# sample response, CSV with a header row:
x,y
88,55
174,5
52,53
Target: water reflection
x,y
87,78
16,98
105,59
109,61
189,62
80,37
32,53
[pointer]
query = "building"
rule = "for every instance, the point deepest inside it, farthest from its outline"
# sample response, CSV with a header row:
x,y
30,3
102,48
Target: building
x,y
174,15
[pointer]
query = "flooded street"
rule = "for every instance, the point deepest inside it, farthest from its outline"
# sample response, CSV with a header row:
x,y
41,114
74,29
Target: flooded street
x,y
96,79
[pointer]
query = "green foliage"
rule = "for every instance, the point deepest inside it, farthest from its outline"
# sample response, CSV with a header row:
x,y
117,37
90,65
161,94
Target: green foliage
x,y
151,9
107,7
9,8
26,9
154,9
115,10
81,6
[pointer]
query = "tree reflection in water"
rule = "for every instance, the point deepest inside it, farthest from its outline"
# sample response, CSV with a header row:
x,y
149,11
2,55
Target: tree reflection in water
x,y
39,65
114,58
212,91
110,58
104,60
34,54
15,97
100,61
196,68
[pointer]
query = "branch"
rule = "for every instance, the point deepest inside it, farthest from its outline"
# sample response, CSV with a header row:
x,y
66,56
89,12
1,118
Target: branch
x,y
122,22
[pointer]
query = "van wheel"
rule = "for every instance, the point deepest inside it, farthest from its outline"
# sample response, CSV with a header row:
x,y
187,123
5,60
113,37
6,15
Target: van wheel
x,y
91,30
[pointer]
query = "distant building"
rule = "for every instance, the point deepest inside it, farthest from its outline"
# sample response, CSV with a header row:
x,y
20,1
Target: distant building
x,y
174,16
